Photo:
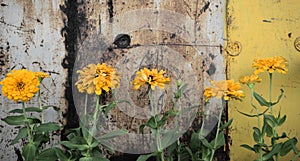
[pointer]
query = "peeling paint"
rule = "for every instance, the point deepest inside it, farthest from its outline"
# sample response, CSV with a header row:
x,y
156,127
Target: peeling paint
x,y
264,28
30,34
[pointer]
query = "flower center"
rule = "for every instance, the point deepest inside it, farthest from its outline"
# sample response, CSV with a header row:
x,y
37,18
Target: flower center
x,y
20,85
150,78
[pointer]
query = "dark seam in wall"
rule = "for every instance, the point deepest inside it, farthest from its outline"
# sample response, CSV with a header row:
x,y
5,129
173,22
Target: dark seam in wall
x,y
70,32
110,10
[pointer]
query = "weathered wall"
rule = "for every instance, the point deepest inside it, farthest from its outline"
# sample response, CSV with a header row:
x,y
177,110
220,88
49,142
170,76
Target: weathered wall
x,y
264,28
47,35
30,38
198,37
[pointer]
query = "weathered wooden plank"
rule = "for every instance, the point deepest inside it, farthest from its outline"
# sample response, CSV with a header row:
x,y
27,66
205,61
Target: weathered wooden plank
x,y
30,38
183,37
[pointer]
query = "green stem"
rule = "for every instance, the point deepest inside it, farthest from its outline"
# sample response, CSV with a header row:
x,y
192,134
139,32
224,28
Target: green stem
x,y
40,106
271,111
258,121
94,126
27,124
217,133
85,104
157,131
177,127
270,74
95,116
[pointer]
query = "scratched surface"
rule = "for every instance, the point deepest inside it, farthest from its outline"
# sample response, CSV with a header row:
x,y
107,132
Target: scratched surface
x,y
30,38
195,32
47,36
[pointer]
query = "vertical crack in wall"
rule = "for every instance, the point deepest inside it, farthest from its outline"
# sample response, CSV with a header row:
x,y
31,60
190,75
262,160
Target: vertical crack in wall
x,y
110,10
74,21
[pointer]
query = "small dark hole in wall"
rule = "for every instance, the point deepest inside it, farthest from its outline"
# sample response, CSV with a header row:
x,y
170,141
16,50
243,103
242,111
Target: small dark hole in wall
x,y
122,41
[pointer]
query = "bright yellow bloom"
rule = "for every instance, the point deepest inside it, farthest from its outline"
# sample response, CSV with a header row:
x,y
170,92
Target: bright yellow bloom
x,y
152,78
270,64
95,78
20,85
224,88
41,75
251,79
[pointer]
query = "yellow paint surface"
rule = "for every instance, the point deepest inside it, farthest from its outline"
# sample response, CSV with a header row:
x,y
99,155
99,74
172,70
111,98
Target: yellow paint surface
x,y
265,28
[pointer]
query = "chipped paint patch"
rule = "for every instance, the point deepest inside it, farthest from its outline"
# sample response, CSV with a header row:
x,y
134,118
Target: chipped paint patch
x,y
30,39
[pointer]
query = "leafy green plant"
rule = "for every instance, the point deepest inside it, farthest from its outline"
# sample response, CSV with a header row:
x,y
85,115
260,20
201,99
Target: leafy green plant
x,y
21,86
81,143
279,145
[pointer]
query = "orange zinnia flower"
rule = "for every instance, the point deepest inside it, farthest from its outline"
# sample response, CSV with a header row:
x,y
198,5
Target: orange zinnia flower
x,y
224,88
270,65
152,78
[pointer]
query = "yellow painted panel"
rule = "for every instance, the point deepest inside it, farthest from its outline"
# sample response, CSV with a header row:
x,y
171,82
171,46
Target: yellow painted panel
x,y
264,28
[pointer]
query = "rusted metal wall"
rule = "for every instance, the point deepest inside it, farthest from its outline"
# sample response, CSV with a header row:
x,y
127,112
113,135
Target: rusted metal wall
x,y
264,29
48,35
30,38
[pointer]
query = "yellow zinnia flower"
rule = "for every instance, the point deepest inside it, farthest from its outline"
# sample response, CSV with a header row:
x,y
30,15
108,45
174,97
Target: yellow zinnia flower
x,y
251,79
270,64
152,78
95,78
224,88
20,85
41,75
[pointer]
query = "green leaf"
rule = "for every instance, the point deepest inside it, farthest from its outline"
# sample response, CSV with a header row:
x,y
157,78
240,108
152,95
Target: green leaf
x,y
188,109
281,120
113,134
152,122
54,107
268,129
29,152
194,143
206,143
93,159
141,128
227,124
20,120
220,141
107,146
60,154
178,94
85,133
253,115
257,147
276,149
46,127
28,109
71,145
145,157
109,107
279,97
94,144
256,135
189,151
270,119
86,159
40,138
261,100
171,148
248,147
22,134
206,153
47,155
287,146
170,136
163,120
